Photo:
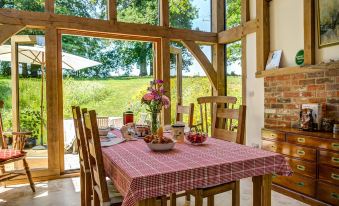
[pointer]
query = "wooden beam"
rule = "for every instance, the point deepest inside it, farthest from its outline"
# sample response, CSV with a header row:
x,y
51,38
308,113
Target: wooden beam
x,y
203,61
263,33
309,32
7,31
52,97
49,6
112,10
164,13
245,17
43,19
236,33
166,67
218,50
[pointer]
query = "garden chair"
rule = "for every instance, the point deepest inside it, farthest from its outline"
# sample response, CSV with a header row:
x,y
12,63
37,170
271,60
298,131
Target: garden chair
x,y
85,174
101,194
14,154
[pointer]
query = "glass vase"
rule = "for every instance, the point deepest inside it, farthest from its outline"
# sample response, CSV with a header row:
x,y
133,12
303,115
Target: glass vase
x,y
155,122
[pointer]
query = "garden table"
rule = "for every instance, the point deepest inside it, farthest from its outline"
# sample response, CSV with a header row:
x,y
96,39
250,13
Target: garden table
x,y
141,175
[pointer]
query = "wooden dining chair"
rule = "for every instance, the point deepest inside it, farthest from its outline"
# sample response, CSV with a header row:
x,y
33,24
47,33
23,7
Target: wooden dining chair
x,y
15,154
223,118
85,173
101,195
185,110
103,122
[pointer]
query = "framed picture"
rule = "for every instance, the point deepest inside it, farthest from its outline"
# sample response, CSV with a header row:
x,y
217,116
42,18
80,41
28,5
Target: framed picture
x,y
328,22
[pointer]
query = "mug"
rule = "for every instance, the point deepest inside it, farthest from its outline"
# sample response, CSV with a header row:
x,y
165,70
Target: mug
x,y
178,133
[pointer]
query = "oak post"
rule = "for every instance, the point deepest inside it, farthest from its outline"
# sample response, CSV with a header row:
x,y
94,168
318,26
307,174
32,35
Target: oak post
x,y
309,32
49,6
165,66
15,86
263,33
112,10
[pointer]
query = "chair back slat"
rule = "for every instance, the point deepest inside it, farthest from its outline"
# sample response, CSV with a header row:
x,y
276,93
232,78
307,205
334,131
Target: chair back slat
x,y
227,113
224,134
95,157
3,140
103,122
188,110
217,99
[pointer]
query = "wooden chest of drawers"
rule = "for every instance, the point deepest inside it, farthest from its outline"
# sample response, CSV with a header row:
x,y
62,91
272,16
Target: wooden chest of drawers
x,y
314,159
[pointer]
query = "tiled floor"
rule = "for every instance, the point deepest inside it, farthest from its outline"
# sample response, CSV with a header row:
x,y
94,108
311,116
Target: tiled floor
x,y
65,192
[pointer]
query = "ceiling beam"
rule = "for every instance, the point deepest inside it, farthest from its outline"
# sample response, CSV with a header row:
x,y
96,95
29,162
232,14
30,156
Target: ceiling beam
x,y
43,20
203,61
7,31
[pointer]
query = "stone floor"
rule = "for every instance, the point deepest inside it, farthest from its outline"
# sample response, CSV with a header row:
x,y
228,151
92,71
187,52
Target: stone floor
x,y
65,192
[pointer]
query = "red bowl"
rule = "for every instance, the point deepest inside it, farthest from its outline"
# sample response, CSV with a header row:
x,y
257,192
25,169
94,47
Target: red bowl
x,y
196,138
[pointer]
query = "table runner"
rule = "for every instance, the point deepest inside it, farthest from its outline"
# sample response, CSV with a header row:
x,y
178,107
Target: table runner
x,y
139,173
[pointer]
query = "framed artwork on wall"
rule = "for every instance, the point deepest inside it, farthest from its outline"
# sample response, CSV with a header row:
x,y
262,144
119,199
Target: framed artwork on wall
x,y
328,22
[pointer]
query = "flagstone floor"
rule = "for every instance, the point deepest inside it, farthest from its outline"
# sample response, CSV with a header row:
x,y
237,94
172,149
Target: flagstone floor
x,y
66,192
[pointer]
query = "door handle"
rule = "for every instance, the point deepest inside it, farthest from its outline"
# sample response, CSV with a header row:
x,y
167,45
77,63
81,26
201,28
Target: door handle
x,y
335,145
300,152
335,176
335,159
301,140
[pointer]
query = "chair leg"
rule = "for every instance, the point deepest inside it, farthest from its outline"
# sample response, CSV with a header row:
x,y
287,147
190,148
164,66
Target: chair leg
x,y
210,200
188,199
88,189
2,172
29,176
82,187
164,200
236,194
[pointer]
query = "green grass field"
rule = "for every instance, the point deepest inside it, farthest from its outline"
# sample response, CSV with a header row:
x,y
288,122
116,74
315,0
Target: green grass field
x,y
109,97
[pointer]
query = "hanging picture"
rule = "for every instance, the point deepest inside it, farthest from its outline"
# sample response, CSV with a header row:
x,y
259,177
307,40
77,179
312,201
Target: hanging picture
x,y
328,22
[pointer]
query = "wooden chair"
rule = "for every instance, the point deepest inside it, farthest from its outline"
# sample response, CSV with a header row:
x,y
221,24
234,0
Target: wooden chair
x,y
13,155
85,173
101,195
187,110
103,122
222,128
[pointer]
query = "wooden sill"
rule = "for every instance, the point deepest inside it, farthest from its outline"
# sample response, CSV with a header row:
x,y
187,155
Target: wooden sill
x,y
297,69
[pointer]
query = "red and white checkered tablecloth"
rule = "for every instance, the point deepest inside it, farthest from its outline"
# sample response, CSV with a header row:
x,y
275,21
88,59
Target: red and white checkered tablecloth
x,y
138,173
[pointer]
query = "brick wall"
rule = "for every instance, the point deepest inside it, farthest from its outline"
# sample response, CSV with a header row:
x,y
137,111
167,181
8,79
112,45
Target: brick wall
x,y
284,95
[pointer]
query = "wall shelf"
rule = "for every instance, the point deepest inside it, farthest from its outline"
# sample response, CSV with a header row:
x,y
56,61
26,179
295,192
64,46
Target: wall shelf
x,y
297,69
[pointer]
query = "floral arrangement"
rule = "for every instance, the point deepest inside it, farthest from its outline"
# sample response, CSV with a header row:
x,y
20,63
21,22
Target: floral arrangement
x,y
155,99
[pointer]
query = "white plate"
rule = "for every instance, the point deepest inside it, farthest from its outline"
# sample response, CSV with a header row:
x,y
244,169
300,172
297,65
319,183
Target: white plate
x,y
161,147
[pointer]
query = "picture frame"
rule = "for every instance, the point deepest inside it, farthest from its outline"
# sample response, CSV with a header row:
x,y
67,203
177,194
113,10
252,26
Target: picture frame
x,y
328,22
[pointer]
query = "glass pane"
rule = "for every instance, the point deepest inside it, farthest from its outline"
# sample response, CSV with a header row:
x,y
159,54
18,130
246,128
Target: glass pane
x,y
95,9
114,86
32,99
27,5
137,11
191,14
233,13
234,71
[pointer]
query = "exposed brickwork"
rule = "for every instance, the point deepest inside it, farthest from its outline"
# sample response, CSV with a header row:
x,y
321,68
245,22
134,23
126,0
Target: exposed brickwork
x,y
284,95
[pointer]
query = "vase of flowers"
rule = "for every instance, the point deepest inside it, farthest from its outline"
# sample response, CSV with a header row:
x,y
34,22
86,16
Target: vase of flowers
x,y
155,100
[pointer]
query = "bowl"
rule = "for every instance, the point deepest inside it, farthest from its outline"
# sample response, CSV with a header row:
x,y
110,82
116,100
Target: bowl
x,y
161,147
196,138
103,132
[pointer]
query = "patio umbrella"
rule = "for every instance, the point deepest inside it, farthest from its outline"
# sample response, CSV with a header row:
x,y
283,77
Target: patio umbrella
x,y
36,55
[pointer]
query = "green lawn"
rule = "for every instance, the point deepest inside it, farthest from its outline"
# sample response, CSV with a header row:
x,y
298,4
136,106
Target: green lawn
x,y
109,97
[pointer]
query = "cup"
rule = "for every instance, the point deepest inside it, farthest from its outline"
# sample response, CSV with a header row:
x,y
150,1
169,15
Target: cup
x,y
178,132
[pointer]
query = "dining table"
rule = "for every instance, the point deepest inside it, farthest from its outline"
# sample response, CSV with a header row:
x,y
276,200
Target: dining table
x,y
141,175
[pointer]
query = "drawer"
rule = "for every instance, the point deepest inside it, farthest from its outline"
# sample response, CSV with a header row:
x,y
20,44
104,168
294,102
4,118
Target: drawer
x,y
303,167
297,183
329,174
290,150
328,193
273,135
329,158
312,141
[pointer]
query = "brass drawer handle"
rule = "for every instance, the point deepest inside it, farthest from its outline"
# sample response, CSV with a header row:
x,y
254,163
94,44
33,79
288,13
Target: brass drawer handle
x,y
301,167
300,152
335,159
334,195
335,176
273,135
301,140
300,184
335,145
274,147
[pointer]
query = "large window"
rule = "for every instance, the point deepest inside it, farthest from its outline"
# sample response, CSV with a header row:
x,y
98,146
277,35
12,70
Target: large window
x,y
28,5
233,13
191,14
138,11
83,8
234,70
